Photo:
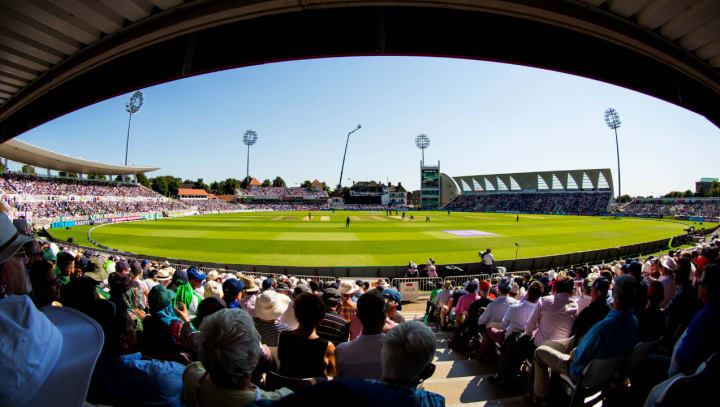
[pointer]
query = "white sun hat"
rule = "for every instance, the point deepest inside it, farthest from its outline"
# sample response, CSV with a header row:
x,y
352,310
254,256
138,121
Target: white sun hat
x,y
270,305
11,240
48,356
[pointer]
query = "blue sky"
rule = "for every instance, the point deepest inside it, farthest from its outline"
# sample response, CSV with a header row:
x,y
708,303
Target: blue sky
x,y
481,117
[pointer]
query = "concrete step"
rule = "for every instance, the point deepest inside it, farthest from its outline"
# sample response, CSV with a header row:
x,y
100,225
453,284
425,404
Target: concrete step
x,y
461,368
468,389
516,401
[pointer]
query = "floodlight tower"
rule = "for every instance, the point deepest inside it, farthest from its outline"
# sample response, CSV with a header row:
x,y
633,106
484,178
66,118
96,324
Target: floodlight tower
x,y
342,168
422,142
132,106
249,138
612,119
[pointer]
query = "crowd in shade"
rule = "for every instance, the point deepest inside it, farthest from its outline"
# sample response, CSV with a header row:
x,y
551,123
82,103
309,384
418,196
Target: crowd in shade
x,y
663,313
282,192
144,333
532,202
13,183
680,207
210,205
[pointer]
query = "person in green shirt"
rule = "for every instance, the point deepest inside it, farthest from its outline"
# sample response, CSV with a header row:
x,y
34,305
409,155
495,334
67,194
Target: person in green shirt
x,y
65,267
431,308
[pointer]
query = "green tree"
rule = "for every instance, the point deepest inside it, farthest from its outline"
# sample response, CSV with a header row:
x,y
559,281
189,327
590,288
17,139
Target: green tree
x,y
624,199
142,180
229,186
159,185
266,183
687,194
72,175
306,184
62,174
200,184
279,182
28,169
674,194
96,177
326,188
215,187
119,178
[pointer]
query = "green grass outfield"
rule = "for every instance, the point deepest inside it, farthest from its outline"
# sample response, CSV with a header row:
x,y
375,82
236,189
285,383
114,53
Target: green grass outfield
x,y
284,238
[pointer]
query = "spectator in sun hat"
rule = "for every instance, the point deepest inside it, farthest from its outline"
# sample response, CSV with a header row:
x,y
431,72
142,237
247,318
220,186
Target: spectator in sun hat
x,y
247,302
45,353
212,289
96,270
232,290
269,306
347,289
213,275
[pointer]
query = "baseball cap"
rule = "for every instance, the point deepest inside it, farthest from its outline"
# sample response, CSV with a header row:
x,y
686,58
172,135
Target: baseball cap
x,y
195,274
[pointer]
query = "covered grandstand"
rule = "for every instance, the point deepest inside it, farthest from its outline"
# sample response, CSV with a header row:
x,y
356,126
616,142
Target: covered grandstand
x,y
19,151
563,191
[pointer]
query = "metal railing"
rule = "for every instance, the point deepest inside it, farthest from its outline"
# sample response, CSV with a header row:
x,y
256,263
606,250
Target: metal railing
x,y
424,283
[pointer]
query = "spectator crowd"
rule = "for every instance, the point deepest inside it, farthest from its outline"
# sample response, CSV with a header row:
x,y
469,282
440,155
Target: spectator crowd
x,y
537,202
676,207
642,322
180,336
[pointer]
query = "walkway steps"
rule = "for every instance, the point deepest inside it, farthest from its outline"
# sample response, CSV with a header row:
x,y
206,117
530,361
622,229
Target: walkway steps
x,y
462,381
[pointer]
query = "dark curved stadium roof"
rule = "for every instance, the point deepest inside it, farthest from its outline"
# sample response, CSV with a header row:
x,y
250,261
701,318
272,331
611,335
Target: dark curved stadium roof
x,y
60,55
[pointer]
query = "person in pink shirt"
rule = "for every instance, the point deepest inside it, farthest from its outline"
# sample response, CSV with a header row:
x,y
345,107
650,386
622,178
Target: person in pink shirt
x,y
431,271
554,315
465,301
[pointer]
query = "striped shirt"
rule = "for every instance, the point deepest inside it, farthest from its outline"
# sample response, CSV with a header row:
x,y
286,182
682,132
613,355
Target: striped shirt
x,y
348,310
334,328
269,331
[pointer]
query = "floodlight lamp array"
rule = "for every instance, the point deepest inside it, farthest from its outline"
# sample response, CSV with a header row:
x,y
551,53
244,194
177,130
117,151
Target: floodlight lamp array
x,y
135,103
612,118
422,141
250,137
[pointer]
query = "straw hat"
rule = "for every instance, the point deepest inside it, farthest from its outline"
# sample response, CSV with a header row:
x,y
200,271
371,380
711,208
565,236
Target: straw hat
x,y
162,275
270,305
250,286
212,289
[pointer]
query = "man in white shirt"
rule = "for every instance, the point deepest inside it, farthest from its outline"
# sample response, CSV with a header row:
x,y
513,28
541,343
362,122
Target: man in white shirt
x,y
361,357
486,262
494,313
514,324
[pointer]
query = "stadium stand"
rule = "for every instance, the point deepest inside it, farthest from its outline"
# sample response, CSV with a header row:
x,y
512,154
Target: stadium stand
x,y
532,202
706,207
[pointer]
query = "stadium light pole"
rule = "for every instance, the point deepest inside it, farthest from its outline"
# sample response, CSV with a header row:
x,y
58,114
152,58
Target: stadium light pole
x,y
249,138
422,142
342,168
132,106
612,119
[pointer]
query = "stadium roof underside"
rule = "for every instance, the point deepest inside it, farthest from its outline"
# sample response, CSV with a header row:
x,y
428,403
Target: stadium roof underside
x,y
59,55
561,180
19,151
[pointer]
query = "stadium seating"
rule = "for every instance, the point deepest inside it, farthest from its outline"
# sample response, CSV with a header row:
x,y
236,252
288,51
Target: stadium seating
x,y
532,202
675,207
